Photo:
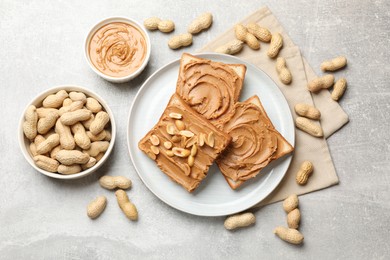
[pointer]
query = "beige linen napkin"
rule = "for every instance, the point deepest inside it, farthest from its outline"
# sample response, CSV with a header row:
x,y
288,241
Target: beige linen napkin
x,y
332,115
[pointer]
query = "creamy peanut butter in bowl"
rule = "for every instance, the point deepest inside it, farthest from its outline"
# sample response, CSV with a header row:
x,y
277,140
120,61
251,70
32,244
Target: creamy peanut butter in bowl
x,y
117,49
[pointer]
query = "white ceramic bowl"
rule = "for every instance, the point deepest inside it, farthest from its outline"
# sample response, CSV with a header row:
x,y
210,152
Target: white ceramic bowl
x,y
123,20
24,143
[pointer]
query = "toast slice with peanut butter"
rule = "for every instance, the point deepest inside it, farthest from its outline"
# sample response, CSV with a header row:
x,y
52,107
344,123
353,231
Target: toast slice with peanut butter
x,y
211,88
255,143
184,144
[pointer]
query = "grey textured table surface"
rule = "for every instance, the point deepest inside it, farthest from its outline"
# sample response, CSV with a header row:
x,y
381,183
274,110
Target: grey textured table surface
x,y
41,218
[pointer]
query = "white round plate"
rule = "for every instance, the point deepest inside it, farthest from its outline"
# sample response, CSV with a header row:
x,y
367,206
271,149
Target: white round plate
x,y
213,197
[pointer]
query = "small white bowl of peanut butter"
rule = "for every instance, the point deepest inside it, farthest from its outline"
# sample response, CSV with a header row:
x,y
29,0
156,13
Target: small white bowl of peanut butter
x,y
117,49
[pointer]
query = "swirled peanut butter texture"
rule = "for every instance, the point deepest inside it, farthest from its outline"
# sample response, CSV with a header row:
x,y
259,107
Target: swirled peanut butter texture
x,y
206,104
255,143
210,88
117,49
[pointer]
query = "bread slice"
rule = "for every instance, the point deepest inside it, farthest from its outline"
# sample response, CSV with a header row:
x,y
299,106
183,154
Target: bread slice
x,y
178,167
284,147
255,143
210,88
240,69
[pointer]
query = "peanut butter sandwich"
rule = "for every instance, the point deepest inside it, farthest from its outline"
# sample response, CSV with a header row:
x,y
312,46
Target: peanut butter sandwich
x,y
210,88
184,144
255,143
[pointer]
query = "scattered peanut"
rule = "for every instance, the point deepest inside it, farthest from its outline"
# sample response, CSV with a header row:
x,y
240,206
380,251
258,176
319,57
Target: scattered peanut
x,y
47,123
210,139
30,125
46,163
66,138
33,149
186,133
201,23
93,105
47,145
55,100
339,88
69,169
304,172
308,111
169,153
171,129
275,45
97,147
78,96
54,152
39,139
289,235
127,207
71,118
43,112
282,70
80,136
69,157
154,150
33,146
183,141
113,182
87,123
100,121
180,125
231,47
321,83
175,115
96,207
168,145
99,156
259,32
194,150
309,126
181,40
175,138
334,64
242,34
71,107
293,218
67,101
99,137
201,139
191,160
154,23
240,220
290,203
154,140
92,161
181,152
